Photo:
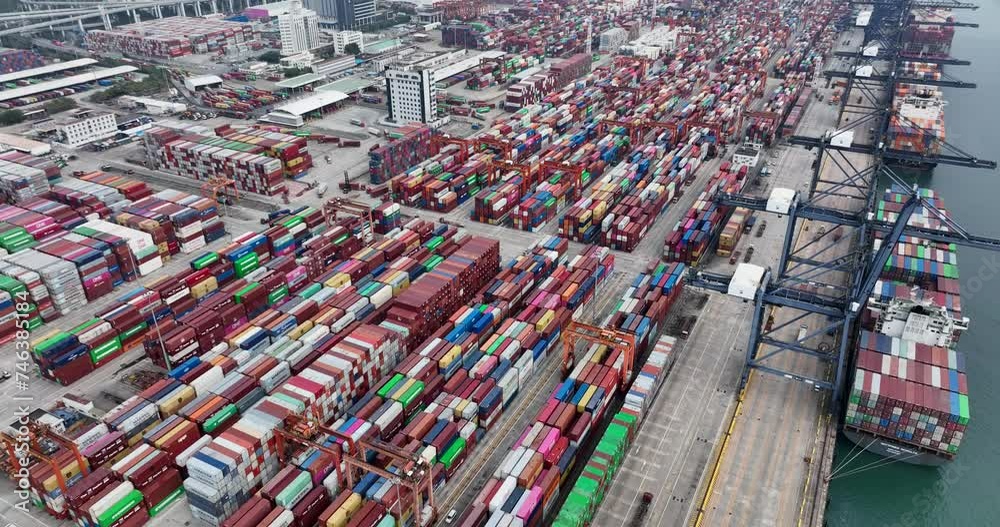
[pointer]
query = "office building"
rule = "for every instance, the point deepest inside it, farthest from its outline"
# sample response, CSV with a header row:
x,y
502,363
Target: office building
x,y
86,127
411,95
353,14
343,38
299,29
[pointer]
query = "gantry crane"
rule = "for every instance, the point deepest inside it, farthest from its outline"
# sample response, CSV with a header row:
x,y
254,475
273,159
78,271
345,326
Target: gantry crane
x,y
813,278
19,449
221,186
574,332
439,141
495,168
574,171
336,208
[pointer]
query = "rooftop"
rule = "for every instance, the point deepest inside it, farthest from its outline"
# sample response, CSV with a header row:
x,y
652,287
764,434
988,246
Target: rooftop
x,y
382,45
45,70
300,81
312,103
204,80
347,85
66,82
455,68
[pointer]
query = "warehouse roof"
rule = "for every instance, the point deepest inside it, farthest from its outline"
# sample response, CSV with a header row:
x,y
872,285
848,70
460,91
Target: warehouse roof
x,y
203,80
65,82
300,81
450,70
23,144
311,103
45,70
347,85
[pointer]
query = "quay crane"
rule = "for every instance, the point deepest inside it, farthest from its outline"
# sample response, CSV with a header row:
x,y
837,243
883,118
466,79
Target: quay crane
x,y
808,285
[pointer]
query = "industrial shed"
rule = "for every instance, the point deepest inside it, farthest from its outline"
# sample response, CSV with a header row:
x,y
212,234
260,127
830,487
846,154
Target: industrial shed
x,y
296,112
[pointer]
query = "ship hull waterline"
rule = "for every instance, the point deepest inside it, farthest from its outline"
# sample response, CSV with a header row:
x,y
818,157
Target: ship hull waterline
x,y
893,450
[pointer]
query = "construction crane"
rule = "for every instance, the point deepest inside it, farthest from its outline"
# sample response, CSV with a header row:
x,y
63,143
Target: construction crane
x,y
615,340
813,278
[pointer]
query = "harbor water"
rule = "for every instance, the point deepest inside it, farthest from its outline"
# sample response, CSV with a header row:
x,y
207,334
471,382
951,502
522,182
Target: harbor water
x,y
867,491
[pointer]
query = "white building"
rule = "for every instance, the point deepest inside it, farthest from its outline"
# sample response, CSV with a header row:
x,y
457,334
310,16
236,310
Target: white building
x,y
87,127
343,38
302,60
411,95
299,29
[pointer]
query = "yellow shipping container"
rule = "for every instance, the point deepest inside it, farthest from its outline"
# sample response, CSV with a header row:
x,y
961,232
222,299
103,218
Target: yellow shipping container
x,y
175,403
338,281
300,330
544,322
454,353
582,405
401,389
204,287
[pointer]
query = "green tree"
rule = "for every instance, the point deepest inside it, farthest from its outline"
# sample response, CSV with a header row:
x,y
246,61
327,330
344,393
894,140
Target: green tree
x,y
352,49
295,72
10,117
270,57
59,105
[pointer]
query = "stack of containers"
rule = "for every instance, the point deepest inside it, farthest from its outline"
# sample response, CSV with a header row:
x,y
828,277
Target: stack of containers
x,y
65,216
203,158
39,226
12,60
386,216
21,182
395,157
534,88
90,264
50,169
689,240
59,276
14,238
37,294
130,189
291,150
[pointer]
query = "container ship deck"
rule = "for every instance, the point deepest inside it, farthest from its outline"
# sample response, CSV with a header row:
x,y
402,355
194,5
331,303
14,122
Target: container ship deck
x,y
909,395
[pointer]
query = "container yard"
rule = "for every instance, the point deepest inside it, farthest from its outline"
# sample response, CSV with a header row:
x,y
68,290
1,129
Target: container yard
x,y
559,318
173,37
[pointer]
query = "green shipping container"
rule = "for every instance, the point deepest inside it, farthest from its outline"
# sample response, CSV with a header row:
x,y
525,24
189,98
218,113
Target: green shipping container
x,y
220,417
387,388
295,490
116,512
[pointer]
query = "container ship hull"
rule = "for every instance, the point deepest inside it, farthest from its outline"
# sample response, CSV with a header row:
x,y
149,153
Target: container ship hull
x,y
894,450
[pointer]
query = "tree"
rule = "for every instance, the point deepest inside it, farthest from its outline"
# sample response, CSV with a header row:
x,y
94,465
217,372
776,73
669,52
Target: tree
x,y
295,72
270,57
10,117
352,49
59,105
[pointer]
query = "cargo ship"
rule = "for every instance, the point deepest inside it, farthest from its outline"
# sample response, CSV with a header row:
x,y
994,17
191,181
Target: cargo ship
x,y
908,398
931,39
917,124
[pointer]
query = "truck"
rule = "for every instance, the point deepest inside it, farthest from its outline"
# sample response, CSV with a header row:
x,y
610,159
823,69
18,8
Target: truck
x,y
321,190
640,513
375,131
357,122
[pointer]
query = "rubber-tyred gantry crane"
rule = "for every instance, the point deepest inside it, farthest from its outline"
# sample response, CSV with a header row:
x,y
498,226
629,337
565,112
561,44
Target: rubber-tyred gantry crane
x,y
574,332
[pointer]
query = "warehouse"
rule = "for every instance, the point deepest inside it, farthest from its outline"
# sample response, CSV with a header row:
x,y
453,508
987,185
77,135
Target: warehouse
x,y
300,83
202,81
296,112
152,106
46,70
349,85
22,144
66,82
